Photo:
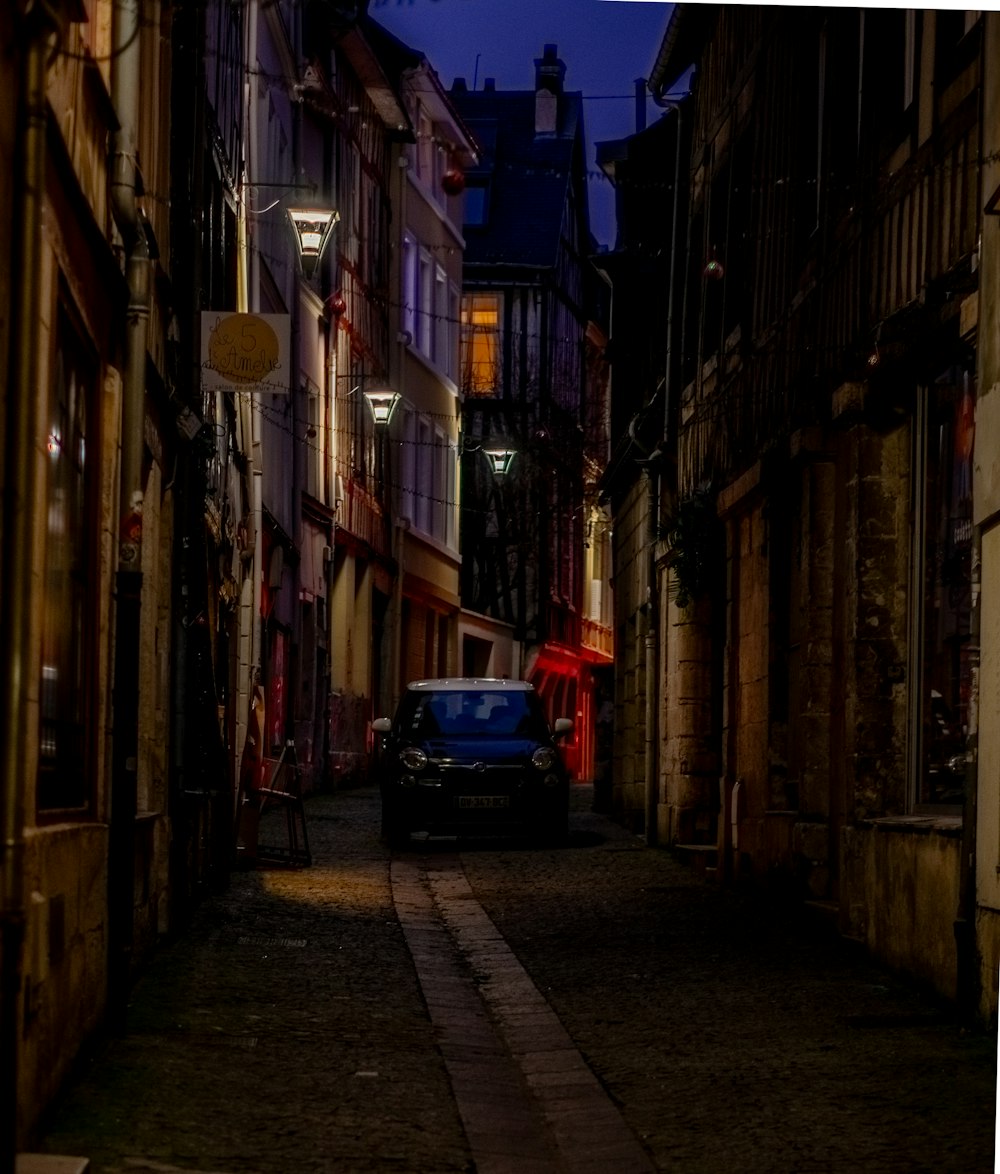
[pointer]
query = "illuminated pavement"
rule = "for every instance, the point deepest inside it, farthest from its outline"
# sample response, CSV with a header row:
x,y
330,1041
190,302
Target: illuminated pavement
x,y
508,1008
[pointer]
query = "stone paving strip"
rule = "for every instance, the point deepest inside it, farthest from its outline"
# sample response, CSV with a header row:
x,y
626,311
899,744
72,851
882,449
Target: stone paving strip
x,y
526,1097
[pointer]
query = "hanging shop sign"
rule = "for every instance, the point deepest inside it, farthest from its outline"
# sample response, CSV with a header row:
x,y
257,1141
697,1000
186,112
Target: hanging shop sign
x,y
245,352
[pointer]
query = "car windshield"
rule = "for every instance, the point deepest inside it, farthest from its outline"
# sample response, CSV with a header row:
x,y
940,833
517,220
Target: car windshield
x,y
454,712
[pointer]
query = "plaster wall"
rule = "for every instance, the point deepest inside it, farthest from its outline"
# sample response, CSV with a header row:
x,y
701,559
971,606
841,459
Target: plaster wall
x,y
65,956
903,881
747,709
988,941
690,765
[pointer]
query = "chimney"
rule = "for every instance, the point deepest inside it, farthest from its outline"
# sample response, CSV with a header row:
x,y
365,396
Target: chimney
x,y
489,85
640,104
549,75
459,86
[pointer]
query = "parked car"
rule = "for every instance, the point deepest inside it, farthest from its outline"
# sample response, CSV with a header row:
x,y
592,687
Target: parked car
x,y
467,755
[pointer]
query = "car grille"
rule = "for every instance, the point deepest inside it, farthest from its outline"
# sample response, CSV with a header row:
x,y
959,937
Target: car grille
x,y
464,775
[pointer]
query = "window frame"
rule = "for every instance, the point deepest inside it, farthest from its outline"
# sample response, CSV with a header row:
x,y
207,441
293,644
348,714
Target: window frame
x,y
77,799
469,332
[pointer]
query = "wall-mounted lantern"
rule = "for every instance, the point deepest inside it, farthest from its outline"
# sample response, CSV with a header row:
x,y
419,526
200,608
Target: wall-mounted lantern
x,y
313,227
500,459
382,403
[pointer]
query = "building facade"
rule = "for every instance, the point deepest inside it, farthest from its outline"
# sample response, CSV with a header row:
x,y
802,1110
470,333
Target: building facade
x,y
528,381
812,532
103,844
423,434
984,744
200,563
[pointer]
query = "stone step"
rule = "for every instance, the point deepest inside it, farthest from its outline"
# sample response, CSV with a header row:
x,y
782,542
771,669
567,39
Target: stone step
x,y
702,858
50,1164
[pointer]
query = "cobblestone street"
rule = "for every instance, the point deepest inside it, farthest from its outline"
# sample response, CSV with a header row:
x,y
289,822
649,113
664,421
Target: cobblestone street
x,y
492,1007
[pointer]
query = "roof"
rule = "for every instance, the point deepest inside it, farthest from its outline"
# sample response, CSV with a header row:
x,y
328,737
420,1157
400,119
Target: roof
x,y
400,61
529,175
681,43
459,684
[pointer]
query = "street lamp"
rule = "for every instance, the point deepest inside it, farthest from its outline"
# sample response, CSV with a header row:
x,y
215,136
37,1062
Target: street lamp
x,y
500,459
313,227
382,403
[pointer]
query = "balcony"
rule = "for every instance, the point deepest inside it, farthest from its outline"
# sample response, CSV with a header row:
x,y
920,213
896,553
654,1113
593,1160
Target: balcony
x,y
597,640
362,516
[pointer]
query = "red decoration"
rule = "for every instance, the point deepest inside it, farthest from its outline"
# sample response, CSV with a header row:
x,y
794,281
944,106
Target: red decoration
x,y
453,181
336,304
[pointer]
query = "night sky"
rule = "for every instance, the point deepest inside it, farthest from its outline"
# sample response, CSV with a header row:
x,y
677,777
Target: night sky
x,y
606,45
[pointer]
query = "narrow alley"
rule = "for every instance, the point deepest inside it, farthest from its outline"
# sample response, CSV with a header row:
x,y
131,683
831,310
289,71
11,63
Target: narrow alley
x,y
489,1007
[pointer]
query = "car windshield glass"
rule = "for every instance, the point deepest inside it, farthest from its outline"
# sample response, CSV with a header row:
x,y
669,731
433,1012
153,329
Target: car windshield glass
x,y
481,711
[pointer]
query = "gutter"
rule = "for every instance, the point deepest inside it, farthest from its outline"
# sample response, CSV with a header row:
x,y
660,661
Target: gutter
x,y
123,191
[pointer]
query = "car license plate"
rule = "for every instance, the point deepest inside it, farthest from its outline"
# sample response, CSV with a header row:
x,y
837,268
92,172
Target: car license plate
x,y
484,800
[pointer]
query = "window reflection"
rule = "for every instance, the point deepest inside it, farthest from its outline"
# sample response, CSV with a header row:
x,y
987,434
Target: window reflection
x,y
946,667
62,743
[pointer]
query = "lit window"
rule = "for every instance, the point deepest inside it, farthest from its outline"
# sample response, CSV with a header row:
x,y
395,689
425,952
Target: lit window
x,y
481,344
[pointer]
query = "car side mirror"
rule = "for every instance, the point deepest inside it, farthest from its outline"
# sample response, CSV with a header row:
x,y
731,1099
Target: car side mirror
x,y
563,725
382,725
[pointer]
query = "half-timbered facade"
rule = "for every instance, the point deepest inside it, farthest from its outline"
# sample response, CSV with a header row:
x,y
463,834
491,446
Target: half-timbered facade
x,y
528,295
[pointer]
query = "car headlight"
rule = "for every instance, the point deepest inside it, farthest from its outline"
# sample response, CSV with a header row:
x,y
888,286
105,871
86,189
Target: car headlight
x,y
413,758
544,758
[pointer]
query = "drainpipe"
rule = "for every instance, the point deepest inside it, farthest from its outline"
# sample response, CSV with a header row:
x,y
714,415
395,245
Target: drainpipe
x,y
648,650
668,392
252,295
651,776
395,674
651,788
22,528
125,88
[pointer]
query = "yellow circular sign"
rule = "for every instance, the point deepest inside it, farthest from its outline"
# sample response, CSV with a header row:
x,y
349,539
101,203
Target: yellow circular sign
x,y
244,349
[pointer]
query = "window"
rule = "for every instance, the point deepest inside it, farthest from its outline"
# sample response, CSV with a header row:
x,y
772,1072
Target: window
x,y
450,455
425,147
408,467
889,39
942,562
409,290
454,315
425,304
481,344
429,154
357,417
64,708
476,204
440,326
425,477
428,472
841,110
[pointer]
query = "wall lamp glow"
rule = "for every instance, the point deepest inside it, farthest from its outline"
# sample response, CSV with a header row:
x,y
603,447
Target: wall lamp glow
x,y
313,227
382,403
500,459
